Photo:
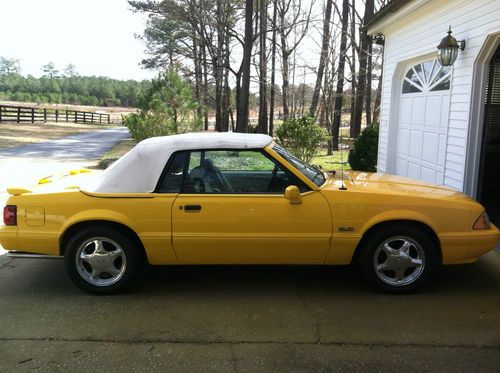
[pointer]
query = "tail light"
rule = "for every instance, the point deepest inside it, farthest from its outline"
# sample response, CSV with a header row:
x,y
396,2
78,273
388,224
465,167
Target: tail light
x,y
10,215
483,222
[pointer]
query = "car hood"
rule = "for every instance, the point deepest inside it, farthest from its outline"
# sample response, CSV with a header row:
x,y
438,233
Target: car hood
x,y
383,183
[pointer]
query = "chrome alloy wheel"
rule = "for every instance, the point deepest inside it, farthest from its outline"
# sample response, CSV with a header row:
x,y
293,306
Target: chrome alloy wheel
x,y
100,261
399,261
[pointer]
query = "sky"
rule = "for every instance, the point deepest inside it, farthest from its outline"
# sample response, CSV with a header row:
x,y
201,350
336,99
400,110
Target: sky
x,y
97,36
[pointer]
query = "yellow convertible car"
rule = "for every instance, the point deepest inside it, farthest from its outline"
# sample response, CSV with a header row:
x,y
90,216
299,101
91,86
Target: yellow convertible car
x,y
240,199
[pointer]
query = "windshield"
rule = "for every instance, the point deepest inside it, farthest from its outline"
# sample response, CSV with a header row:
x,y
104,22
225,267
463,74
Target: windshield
x,y
312,173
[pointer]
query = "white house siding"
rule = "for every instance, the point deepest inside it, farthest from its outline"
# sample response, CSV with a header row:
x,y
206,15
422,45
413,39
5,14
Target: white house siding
x,y
417,35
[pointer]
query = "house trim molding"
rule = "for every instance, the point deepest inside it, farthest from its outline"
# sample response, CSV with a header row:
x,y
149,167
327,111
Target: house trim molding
x,y
476,116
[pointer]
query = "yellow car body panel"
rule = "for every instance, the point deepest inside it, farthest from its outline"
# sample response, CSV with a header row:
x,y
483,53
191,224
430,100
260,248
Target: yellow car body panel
x,y
251,228
325,228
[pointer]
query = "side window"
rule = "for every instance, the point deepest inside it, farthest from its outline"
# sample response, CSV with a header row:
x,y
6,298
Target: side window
x,y
236,171
172,178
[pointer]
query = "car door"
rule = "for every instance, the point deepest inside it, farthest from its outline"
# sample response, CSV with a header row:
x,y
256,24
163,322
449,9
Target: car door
x,y
232,209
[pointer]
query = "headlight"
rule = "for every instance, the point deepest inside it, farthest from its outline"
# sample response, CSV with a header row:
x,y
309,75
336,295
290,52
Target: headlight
x,y
483,222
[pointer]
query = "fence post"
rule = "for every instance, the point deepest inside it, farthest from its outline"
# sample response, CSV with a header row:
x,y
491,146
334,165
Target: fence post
x,y
75,117
44,115
92,118
57,115
18,114
0,114
100,118
32,115
109,121
84,118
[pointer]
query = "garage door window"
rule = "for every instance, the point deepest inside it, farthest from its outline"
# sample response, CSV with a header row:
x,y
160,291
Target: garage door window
x,y
428,76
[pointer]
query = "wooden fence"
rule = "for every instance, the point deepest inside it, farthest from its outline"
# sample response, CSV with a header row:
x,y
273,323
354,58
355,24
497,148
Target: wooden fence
x,y
23,114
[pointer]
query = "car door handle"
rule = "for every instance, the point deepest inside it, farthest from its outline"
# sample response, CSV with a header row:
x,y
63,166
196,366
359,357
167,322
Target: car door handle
x,y
192,208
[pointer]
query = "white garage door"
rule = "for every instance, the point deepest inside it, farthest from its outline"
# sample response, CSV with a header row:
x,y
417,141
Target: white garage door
x,y
423,122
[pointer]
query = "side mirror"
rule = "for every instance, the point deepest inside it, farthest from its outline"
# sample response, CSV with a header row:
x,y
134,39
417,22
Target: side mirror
x,y
292,193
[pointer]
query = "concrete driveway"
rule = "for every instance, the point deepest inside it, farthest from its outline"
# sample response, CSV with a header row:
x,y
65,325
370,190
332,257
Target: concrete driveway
x,y
247,319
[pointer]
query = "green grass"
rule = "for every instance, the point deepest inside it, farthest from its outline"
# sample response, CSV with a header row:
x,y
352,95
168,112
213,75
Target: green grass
x,y
334,161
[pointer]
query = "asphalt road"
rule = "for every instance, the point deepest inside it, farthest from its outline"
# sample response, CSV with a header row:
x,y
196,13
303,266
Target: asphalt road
x,y
83,146
247,319
26,164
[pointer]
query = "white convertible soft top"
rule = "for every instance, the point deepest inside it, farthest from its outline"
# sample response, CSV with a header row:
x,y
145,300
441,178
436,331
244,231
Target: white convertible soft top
x,y
138,171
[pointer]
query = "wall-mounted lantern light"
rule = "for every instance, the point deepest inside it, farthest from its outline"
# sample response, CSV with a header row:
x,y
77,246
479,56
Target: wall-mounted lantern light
x,y
448,49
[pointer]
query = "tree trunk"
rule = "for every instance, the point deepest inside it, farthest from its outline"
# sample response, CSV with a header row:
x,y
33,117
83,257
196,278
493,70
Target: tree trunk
x,y
361,86
273,72
242,115
368,94
324,55
197,76
353,68
284,70
285,85
225,87
340,76
205,86
262,126
376,111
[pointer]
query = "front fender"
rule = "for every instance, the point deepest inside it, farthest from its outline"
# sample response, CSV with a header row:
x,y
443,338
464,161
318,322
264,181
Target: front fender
x,y
398,215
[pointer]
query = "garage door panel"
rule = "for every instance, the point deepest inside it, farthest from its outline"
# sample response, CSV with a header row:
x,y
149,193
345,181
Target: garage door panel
x,y
430,147
404,118
413,170
433,111
422,126
416,144
418,111
403,143
428,174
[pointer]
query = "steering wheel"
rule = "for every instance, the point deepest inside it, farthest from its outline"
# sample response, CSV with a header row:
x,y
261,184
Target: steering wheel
x,y
273,177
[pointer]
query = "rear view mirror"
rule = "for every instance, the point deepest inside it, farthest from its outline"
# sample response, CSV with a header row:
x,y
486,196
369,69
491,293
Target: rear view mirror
x,y
292,193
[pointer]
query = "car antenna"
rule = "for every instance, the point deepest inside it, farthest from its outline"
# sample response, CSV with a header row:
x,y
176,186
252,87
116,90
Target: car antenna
x,y
342,186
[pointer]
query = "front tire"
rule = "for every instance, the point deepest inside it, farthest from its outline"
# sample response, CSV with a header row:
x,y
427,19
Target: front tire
x,y
101,260
398,259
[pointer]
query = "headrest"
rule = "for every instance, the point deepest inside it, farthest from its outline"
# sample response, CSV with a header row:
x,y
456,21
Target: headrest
x,y
207,164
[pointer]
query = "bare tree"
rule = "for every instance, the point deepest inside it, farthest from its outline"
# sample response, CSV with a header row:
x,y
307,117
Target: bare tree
x,y
363,51
325,46
296,21
337,114
273,70
262,126
242,115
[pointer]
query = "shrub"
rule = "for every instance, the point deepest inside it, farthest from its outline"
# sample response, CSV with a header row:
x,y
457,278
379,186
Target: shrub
x,y
167,108
302,136
363,155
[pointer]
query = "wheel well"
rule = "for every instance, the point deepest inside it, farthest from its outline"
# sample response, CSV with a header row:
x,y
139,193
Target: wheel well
x,y
102,223
380,226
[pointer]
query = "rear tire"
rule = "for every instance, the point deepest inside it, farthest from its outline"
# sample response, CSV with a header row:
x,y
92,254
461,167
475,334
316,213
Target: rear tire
x,y
398,259
101,260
